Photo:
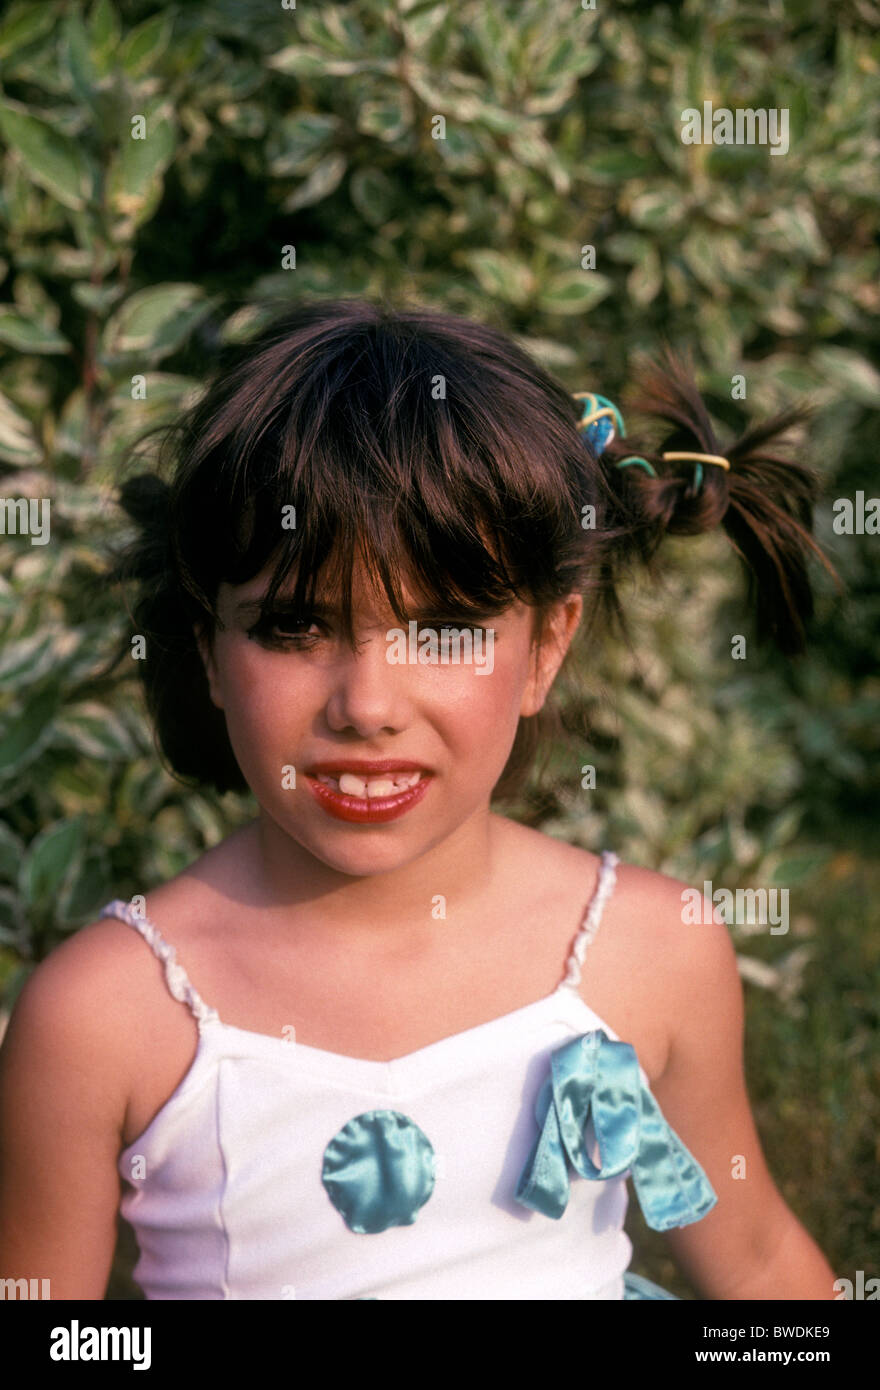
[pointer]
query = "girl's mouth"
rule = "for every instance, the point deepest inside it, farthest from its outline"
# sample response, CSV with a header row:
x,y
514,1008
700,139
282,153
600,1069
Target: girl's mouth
x,y
369,800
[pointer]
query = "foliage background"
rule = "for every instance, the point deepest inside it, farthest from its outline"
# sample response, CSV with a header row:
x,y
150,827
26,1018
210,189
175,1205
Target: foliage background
x,y
268,127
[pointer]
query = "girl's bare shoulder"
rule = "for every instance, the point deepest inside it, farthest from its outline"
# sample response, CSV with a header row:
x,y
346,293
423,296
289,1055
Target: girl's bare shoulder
x,y
645,913
648,957
104,977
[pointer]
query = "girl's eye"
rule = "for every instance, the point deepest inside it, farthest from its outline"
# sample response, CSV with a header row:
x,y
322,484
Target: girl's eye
x,y
285,630
271,630
460,624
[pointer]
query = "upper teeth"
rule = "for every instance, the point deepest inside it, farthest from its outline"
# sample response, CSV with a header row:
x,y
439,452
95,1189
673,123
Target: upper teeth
x,y
350,785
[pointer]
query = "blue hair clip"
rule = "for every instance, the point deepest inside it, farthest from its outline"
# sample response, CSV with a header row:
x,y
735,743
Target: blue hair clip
x,y
598,423
598,420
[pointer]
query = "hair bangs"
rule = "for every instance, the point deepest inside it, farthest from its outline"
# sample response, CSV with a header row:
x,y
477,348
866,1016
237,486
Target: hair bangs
x,y
363,460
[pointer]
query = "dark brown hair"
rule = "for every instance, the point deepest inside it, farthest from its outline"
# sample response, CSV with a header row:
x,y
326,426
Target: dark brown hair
x,y
439,449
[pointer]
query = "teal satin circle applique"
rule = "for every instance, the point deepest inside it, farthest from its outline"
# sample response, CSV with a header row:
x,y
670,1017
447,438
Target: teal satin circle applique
x,y
378,1171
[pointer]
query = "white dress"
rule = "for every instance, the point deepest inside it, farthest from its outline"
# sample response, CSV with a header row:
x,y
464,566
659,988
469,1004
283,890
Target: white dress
x,y
489,1165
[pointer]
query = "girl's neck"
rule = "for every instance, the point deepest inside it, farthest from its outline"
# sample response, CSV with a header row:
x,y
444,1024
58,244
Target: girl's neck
x,y
447,886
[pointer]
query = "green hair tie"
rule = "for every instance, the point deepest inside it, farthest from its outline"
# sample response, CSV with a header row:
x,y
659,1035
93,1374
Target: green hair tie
x,y
641,463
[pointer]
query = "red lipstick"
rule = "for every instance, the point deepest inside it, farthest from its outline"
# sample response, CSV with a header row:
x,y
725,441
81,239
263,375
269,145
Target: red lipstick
x,y
366,810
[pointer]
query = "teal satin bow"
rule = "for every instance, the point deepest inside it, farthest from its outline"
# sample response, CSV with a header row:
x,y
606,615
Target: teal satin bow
x,y
592,1074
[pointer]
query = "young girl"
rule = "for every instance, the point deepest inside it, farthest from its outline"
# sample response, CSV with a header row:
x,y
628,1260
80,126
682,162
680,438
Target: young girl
x,y
383,1042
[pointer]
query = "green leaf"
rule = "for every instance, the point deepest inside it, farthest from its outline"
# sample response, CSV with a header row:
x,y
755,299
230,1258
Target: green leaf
x,y
18,442
387,120
331,29
71,426
530,148
720,331
658,209
136,170
95,731
373,194
50,858
23,24
104,31
78,52
463,151
26,336
78,261
324,178
155,321
613,166
244,119
88,888
849,373
628,247
799,867
420,26
98,299
145,44
31,658
700,253
297,61
783,828
11,853
24,735
791,375
502,276
245,323
645,280
13,930
563,56
548,352
32,300
51,159
297,140
794,229
165,389
143,790
575,292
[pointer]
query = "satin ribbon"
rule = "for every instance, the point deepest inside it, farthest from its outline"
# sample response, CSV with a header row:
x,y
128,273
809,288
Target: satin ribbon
x,y
378,1171
592,1075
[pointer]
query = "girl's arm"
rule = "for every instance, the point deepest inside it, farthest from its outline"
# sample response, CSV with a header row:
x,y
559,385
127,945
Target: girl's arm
x,y
750,1246
62,1107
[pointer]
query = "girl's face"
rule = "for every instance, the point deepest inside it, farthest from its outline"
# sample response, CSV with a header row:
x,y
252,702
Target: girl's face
x,y
297,695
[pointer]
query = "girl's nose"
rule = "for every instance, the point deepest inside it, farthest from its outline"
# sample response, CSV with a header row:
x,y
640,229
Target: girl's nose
x,y
367,693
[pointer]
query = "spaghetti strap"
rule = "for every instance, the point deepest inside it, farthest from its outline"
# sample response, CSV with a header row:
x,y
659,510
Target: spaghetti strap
x,y
175,976
587,932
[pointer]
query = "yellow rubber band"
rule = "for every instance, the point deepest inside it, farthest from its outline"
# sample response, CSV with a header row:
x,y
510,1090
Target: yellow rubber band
x,y
596,415
701,458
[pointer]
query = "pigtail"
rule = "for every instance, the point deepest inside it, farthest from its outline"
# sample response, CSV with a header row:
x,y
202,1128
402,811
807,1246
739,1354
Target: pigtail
x,y
764,502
